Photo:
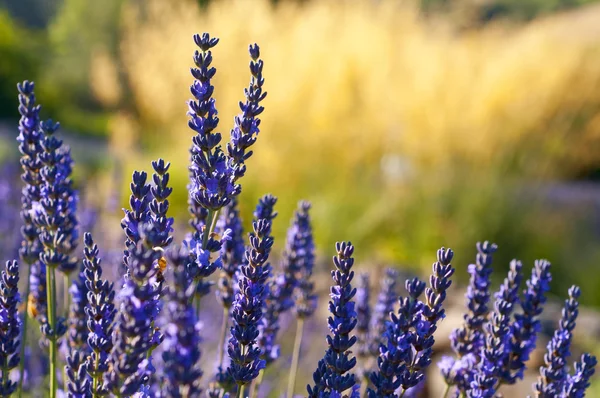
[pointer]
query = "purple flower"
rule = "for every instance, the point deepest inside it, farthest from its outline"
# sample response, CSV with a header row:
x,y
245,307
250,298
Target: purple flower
x,y
526,326
100,311
386,299
79,383
232,252
159,205
580,381
431,313
213,177
30,148
363,314
553,375
248,305
470,337
134,334
181,355
245,131
10,325
333,371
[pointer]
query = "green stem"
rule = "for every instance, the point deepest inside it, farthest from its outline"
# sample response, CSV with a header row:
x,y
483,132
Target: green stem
x,y
446,390
5,374
211,221
24,334
96,377
197,306
256,384
51,296
207,228
223,334
241,389
66,295
295,358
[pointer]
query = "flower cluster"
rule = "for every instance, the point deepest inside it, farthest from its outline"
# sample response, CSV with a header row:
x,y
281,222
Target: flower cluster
x,y
181,355
333,375
213,181
232,252
492,349
100,311
387,297
407,352
146,338
248,305
10,326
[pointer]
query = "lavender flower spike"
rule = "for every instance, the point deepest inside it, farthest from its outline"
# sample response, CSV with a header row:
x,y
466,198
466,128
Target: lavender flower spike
x,y
213,180
100,311
181,353
526,326
306,300
246,130
10,326
232,252
470,337
553,375
495,364
159,205
247,309
29,146
386,299
432,312
363,314
79,384
396,352
580,381
333,371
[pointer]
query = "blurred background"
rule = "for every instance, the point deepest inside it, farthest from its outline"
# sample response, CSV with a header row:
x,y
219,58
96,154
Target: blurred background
x,y
409,125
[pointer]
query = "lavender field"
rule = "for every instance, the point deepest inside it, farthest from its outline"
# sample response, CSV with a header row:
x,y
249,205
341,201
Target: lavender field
x,y
411,211
136,327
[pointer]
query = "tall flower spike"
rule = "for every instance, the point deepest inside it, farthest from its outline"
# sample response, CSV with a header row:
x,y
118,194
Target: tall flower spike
x,y
526,326
432,312
138,215
29,146
79,384
159,205
134,334
306,300
553,375
293,259
363,311
245,131
213,181
396,351
181,353
470,337
334,370
10,326
232,252
77,322
495,364
100,311
386,299
580,381
247,309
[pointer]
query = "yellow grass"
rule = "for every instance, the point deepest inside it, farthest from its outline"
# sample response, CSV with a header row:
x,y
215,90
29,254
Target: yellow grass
x,y
370,106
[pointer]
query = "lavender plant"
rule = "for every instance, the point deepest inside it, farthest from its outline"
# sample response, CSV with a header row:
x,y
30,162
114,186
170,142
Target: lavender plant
x,y
115,338
333,375
248,305
10,326
100,311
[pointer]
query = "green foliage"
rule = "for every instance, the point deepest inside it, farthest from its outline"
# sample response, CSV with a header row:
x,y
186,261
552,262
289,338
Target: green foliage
x,y
19,53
